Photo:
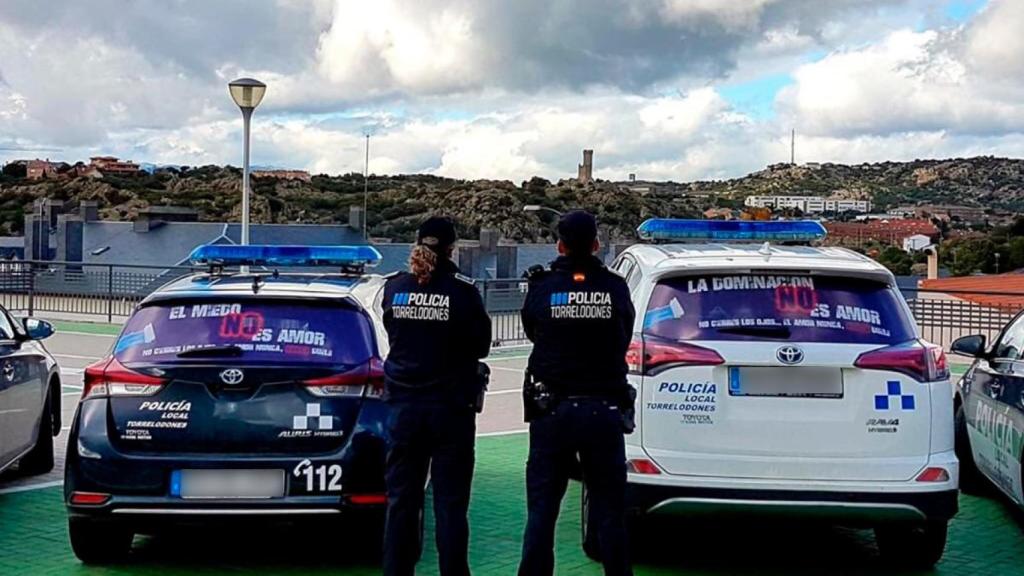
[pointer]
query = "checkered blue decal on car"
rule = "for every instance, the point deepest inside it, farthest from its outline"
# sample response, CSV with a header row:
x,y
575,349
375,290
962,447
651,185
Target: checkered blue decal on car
x,y
894,397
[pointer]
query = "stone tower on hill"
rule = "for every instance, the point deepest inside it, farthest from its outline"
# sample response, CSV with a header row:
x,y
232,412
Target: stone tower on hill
x,y
585,172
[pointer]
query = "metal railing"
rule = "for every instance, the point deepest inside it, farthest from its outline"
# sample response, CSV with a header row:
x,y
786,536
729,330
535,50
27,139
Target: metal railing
x,y
503,300
944,316
111,292
106,290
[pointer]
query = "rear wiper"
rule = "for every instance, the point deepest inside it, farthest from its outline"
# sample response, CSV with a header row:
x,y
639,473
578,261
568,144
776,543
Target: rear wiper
x,y
229,351
774,332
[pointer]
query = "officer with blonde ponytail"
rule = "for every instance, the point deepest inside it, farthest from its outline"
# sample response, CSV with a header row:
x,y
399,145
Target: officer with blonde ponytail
x,y
438,331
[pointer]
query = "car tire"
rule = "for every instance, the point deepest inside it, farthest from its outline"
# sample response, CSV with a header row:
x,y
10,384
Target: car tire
x,y
40,459
971,479
95,542
917,546
588,532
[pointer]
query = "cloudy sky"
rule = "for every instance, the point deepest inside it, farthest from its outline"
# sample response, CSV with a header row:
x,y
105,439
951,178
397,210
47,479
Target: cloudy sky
x,y
667,89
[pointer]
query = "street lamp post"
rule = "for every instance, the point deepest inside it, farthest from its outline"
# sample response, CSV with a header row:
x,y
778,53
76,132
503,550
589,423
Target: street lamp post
x,y
247,94
539,208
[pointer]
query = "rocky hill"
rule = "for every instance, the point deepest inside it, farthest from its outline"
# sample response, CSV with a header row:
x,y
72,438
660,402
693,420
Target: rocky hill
x,y
398,203
995,183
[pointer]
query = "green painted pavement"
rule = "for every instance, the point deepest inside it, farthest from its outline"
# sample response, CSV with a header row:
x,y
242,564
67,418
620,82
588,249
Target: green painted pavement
x,y
984,540
87,327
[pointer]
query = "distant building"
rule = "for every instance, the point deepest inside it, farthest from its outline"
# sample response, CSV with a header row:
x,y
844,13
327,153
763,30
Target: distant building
x,y
12,247
283,174
808,204
585,171
971,214
113,166
40,169
890,232
916,243
997,291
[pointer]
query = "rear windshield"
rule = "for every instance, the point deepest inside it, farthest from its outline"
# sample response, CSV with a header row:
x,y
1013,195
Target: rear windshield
x,y
265,331
777,307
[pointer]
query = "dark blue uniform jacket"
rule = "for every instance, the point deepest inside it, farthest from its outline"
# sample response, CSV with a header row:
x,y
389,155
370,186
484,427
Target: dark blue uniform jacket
x,y
579,317
437,332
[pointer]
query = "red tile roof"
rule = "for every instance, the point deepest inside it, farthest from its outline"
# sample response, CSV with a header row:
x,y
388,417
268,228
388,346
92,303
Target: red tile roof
x,y
1004,291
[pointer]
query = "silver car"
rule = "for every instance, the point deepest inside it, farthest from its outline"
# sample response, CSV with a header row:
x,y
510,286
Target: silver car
x,y
30,395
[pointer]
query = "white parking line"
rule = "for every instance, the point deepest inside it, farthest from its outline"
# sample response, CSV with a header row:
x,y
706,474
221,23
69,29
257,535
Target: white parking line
x,y
507,369
40,486
71,394
74,356
503,433
499,392
72,386
72,371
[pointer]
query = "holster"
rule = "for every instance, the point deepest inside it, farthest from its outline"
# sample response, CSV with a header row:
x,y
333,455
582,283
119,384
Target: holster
x,y
627,408
483,381
537,399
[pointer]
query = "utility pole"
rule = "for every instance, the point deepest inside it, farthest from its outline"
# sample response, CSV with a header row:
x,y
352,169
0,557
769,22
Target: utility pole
x,y
792,147
366,189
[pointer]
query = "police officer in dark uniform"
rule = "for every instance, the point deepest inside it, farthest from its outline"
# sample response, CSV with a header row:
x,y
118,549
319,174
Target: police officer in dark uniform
x,y
579,317
438,331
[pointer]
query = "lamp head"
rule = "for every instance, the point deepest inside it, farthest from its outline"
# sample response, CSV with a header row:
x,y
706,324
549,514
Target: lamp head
x,y
247,93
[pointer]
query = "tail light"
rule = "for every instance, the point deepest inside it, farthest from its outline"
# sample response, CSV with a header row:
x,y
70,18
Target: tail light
x,y
365,380
89,498
647,356
921,361
109,378
933,475
367,499
642,466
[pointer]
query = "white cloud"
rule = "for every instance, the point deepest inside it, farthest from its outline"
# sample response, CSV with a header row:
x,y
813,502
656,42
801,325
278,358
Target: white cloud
x,y
499,89
910,82
995,42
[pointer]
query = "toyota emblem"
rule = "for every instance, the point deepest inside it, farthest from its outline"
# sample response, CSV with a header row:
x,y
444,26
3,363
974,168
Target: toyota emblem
x,y
790,355
232,376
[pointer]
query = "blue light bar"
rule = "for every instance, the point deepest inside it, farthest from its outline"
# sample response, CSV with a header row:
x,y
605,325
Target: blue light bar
x,y
261,255
731,230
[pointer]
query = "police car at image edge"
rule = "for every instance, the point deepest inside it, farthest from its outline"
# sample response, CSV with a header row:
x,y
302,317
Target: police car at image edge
x,y
30,395
990,411
235,397
777,377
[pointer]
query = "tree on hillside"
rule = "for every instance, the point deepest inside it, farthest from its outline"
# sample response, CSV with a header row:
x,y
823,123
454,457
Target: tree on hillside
x,y
897,261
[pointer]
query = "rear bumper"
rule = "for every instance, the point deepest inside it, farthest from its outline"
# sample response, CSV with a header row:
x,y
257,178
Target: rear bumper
x,y
138,486
854,508
159,516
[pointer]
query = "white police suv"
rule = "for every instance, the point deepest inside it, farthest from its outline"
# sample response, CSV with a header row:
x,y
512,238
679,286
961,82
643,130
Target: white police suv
x,y
777,377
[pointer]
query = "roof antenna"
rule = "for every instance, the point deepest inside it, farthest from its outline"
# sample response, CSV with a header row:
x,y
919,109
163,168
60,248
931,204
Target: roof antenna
x,y
257,283
766,250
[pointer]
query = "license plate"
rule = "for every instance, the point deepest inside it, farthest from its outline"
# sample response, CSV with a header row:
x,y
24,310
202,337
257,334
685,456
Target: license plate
x,y
224,484
793,382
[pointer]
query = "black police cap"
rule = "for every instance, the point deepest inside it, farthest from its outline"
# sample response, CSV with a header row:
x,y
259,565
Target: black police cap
x,y
439,227
577,229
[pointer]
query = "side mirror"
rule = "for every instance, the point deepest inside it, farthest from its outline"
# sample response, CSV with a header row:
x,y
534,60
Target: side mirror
x,y
37,329
973,346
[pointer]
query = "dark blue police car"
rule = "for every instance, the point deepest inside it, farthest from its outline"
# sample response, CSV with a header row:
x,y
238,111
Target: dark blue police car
x,y
234,396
